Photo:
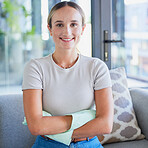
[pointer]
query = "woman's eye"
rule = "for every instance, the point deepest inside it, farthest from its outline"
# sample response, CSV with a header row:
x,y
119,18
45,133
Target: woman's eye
x,y
59,25
74,25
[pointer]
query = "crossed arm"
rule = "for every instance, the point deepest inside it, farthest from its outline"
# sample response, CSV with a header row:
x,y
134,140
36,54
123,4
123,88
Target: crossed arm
x,y
39,125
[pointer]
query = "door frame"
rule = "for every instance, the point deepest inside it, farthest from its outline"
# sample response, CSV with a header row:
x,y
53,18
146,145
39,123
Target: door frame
x,y
101,11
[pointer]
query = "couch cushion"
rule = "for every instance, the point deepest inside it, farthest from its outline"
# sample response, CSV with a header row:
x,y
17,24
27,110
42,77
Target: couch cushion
x,y
125,125
140,102
128,144
13,133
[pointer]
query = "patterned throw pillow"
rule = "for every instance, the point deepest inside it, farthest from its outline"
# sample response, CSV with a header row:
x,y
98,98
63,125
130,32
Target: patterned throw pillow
x,y
125,125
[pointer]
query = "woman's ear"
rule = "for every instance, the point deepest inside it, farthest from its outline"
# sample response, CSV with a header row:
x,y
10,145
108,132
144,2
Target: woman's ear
x,y
83,28
50,30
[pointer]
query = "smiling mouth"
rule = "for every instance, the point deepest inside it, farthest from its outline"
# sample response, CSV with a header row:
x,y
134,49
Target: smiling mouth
x,y
66,40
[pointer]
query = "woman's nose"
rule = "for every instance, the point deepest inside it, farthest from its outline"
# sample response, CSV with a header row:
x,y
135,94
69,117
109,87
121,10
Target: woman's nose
x,y
67,30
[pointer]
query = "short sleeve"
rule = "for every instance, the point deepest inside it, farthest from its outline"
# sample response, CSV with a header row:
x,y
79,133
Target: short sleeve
x,y
32,78
101,75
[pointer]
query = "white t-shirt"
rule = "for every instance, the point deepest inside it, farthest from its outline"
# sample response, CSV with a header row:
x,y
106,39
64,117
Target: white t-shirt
x,y
66,90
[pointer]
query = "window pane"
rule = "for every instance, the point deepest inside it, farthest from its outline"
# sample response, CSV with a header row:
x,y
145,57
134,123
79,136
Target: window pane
x,y
85,45
130,23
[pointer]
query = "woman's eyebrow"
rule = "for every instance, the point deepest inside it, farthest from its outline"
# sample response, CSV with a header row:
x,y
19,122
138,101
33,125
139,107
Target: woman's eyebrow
x,y
74,20
58,21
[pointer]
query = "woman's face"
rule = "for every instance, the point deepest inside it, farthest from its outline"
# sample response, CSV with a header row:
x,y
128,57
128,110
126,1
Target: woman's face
x,y
66,28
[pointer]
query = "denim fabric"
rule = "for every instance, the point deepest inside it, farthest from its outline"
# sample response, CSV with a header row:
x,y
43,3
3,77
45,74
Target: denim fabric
x,y
46,143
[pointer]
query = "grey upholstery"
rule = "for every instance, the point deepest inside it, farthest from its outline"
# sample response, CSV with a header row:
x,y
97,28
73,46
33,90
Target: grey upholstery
x,y
15,135
12,133
140,102
128,144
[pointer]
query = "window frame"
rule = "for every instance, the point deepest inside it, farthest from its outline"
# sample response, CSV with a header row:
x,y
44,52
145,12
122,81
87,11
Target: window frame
x,y
101,12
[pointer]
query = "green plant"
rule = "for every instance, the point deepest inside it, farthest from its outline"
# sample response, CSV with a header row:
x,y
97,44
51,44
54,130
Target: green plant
x,y
11,11
26,13
32,32
1,32
28,33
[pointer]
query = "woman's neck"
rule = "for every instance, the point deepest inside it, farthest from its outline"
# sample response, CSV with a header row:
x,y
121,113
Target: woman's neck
x,y
65,59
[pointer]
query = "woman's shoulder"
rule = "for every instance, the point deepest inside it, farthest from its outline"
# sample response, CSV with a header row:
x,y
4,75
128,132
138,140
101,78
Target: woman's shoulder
x,y
37,64
93,60
94,64
38,61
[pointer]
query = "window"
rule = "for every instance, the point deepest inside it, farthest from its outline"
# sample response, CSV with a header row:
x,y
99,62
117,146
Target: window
x,y
130,23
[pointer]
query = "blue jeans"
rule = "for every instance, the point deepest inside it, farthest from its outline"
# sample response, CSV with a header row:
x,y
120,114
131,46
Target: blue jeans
x,y
46,143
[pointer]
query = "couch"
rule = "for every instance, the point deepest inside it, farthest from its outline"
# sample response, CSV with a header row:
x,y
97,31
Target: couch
x,y
15,135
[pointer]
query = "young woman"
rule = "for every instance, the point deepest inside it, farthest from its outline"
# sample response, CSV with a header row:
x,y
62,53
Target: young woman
x,y
67,82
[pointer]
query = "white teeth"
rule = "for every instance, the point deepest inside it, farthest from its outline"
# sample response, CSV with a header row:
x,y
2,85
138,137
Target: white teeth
x,y
66,39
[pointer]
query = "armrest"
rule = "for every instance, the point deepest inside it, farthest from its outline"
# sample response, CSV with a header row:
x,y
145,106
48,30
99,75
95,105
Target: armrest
x,y
140,104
